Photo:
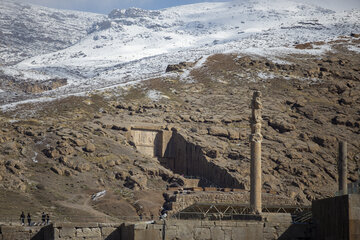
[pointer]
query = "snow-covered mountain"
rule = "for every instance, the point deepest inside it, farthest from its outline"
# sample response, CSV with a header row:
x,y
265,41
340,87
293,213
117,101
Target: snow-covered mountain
x,y
134,44
28,30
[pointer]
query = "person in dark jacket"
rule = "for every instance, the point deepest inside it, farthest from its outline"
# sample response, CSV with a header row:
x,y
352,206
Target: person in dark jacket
x,y
22,218
47,218
43,217
29,219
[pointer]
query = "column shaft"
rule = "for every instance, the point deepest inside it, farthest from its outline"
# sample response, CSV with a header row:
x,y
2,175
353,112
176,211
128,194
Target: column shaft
x,y
255,145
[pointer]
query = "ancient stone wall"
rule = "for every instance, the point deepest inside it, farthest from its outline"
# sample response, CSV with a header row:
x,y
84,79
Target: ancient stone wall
x,y
264,227
67,231
272,226
24,232
184,157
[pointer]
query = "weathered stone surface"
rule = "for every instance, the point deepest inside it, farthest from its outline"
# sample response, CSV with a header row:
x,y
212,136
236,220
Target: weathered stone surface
x,y
185,231
218,131
233,134
202,233
67,232
57,170
217,233
88,232
51,152
89,147
250,232
281,125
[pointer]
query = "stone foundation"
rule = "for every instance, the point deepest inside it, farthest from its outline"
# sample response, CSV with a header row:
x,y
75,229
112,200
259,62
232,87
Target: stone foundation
x,y
266,226
271,226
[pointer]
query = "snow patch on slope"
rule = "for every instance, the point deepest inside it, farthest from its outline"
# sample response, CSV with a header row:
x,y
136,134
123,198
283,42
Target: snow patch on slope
x,y
134,44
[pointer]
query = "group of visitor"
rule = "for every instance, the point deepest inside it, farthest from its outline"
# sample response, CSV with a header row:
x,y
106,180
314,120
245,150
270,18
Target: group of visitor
x,y
45,219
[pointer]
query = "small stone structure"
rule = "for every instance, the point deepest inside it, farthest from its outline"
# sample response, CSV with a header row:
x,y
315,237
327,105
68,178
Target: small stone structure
x,y
255,144
337,218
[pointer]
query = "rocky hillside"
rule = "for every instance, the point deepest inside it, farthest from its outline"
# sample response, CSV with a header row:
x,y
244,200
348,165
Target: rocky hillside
x,y
55,155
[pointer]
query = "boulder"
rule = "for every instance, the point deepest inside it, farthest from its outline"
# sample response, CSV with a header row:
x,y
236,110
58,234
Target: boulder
x,y
233,134
89,147
325,141
51,152
281,125
136,181
218,131
9,148
79,142
57,170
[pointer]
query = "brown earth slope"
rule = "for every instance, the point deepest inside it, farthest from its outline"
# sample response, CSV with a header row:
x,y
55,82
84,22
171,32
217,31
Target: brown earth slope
x,y
55,155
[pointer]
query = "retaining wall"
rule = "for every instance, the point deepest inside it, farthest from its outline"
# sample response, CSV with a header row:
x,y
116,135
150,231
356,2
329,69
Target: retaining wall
x,y
267,226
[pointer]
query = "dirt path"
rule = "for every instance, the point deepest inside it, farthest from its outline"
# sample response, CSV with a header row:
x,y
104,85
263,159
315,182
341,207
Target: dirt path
x,y
85,206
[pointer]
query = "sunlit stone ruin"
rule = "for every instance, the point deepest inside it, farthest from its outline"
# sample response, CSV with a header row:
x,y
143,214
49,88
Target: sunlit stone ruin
x,y
199,210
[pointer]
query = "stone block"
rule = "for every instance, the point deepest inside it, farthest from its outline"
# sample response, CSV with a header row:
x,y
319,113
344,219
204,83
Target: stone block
x,y
226,223
202,233
270,236
217,233
66,232
147,235
207,223
88,232
114,225
253,231
16,235
269,230
185,231
227,233
140,226
170,234
241,224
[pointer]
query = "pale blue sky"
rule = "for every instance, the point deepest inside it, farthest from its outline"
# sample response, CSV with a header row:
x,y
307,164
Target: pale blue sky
x,y
105,6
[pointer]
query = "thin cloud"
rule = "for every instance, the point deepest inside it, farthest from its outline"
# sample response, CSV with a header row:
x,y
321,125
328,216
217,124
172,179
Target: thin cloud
x,y
105,6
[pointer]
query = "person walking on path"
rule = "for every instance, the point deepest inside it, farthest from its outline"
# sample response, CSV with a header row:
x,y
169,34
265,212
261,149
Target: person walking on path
x,y
43,216
29,219
47,219
22,218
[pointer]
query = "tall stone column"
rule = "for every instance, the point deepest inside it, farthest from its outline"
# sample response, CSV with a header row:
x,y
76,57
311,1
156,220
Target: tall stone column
x,y
255,144
342,168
